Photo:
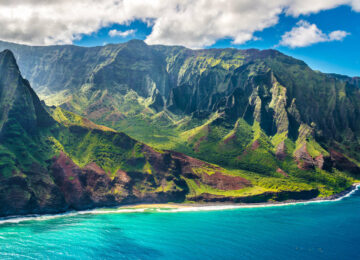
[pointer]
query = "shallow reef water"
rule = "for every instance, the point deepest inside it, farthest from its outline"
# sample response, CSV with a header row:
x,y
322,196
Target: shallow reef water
x,y
326,230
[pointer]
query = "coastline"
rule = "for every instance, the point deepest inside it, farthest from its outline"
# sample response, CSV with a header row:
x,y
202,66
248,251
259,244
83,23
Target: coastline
x,y
220,206
178,207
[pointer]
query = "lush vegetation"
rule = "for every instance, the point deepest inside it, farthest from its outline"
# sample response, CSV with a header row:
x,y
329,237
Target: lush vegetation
x,y
259,115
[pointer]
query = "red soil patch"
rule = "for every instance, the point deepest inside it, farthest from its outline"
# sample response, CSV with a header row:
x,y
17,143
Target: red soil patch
x,y
303,159
342,163
123,176
115,116
221,181
95,168
282,172
66,175
89,124
281,151
97,114
230,138
255,145
198,142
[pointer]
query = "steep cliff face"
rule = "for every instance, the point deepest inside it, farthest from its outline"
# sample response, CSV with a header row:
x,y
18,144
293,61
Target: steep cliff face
x,y
22,116
18,101
125,80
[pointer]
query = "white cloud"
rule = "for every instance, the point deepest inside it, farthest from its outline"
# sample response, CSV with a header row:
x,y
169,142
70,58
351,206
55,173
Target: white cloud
x,y
306,34
298,7
193,23
116,33
338,35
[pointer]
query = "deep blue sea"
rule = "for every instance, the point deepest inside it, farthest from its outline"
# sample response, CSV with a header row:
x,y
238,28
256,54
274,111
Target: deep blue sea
x,y
326,230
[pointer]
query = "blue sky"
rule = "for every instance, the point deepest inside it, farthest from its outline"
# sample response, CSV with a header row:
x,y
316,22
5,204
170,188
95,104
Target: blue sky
x,y
341,57
323,33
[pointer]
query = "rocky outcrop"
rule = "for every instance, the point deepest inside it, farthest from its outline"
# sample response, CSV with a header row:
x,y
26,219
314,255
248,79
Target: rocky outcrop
x,y
91,186
304,159
260,198
281,151
344,164
34,194
323,162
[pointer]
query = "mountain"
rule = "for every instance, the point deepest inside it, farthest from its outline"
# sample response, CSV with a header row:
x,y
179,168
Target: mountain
x,y
172,97
52,160
276,128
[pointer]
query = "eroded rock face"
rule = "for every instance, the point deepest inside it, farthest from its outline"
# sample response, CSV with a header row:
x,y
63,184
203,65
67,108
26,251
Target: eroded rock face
x,y
304,159
91,186
323,162
66,175
343,164
34,194
66,186
306,162
217,180
281,151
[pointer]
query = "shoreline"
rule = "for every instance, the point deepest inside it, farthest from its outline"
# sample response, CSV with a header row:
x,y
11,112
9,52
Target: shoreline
x,y
178,207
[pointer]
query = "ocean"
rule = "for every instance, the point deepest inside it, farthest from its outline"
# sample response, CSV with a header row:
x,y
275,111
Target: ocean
x,y
324,230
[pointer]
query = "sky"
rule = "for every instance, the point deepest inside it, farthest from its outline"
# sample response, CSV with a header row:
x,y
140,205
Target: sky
x,y
323,33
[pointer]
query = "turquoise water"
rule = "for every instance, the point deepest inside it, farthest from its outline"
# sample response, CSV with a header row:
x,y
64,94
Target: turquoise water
x,y
327,230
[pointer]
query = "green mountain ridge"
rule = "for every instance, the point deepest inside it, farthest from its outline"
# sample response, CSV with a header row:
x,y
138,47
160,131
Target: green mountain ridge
x,y
52,160
158,93
262,115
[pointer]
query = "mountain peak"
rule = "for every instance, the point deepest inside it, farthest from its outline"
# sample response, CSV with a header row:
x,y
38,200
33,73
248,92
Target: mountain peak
x,y
7,52
9,71
136,42
7,60
19,104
